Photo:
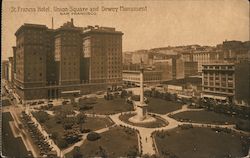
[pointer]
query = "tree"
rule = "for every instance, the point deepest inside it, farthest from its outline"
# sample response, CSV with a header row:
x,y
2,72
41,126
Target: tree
x,y
62,143
92,136
81,117
132,152
72,100
102,152
77,153
41,116
68,122
54,135
123,93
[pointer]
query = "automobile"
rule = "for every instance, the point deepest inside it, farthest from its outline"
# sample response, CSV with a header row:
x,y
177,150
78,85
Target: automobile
x,y
65,102
40,102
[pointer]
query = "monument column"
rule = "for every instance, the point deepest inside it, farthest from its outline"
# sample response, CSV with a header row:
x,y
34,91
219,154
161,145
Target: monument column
x,y
141,87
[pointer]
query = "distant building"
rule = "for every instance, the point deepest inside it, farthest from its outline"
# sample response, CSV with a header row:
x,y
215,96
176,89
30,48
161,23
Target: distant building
x,y
242,83
218,81
11,70
166,67
190,68
5,70
173,67
140,55
127,58
133,77
206,57
177,68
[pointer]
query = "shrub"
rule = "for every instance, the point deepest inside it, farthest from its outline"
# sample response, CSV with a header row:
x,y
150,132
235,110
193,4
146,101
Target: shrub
x,y
62,143
243,125
41,116
186,126
132,152
93,136
77,153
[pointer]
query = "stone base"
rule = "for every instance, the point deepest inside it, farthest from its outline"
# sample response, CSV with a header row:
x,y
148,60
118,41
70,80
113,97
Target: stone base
x,y
139,119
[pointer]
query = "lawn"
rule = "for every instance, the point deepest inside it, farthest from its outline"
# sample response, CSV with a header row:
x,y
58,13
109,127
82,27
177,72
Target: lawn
x,y
204,117
161,106
200,143
157,123
116,105
116,142
11,146
52,127
94,123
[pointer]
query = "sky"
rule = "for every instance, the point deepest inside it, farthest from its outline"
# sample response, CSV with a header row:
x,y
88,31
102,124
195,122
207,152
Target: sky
x,y
161,24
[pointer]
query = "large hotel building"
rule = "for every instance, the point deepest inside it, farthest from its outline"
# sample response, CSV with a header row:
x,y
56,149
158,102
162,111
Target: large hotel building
x,y
70,60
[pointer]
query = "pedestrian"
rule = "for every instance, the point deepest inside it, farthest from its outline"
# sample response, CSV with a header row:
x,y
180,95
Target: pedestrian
x,y
146,139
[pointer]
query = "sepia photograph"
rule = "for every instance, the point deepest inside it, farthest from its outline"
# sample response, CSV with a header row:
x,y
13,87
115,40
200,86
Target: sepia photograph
x,y
125,79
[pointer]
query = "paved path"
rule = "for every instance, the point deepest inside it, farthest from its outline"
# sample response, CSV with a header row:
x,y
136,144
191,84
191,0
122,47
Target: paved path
x,y
21,132
145,133
183,108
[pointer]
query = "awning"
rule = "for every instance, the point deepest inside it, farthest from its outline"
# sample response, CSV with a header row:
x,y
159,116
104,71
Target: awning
x,y
215,97
69,92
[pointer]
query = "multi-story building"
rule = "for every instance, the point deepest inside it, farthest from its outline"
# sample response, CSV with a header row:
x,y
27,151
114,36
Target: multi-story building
x,y
218,81
133,77
11,70
242,83
190,68
166,67
67,53
127,58
102,54
70,60
177,68
205,57
140,55
31,60
5,70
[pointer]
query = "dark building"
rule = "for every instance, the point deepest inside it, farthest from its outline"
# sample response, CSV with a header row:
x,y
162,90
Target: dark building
x,y
242,83
190,68
5,70
70,60
31,60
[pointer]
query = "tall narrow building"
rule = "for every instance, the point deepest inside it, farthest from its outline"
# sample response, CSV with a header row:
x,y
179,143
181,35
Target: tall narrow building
x,y
102,55
31,60
67,53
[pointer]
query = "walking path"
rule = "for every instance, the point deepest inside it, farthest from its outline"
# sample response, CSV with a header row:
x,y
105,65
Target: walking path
x,y
145,138
145,133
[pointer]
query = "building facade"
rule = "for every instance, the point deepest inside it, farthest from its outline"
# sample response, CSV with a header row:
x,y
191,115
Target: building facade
x,y
218,81
102,54
133,77
242,83
5,69
190,68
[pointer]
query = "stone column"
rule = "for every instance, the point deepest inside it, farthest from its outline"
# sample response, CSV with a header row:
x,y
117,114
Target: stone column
x,y
141,87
